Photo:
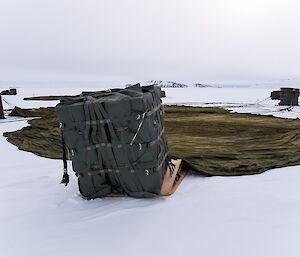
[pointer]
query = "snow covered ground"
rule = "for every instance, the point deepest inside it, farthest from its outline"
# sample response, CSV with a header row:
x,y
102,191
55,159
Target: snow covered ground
x,y
242,100
249,216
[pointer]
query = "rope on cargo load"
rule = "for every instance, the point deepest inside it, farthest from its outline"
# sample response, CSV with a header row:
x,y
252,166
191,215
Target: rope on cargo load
x,y
256,103
8,103
139,128
260,101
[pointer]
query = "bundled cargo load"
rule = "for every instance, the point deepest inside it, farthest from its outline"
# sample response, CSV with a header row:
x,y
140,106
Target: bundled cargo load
x,y
117,141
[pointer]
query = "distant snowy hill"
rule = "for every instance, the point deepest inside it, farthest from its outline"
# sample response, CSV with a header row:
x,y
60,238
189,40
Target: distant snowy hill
x,y
295,82
164,84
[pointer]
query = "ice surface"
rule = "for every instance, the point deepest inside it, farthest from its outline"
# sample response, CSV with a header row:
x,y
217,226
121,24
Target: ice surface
x,y
255,216
241,100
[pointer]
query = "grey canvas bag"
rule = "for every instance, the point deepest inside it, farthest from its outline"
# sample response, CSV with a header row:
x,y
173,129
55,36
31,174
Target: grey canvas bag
x,y
117,141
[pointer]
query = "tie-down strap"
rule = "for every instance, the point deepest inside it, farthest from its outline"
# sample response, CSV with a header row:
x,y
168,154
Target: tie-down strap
x,y
120,145
105,121
148,170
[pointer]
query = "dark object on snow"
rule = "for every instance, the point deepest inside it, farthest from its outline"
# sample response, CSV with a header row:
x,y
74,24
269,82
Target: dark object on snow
x,y
11,91
65,179
287,96
1,109
117,141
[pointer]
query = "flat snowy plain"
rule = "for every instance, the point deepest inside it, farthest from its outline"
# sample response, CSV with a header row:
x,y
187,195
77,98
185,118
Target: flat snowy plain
x,y
249,216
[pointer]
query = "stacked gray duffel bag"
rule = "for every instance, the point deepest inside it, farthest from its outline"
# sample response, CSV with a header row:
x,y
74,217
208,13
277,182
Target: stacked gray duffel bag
x,y
117,141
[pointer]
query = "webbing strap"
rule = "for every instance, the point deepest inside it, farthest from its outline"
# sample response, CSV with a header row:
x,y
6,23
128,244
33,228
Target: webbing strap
x,y
106,156
107,120
152,111
93,122
65,178
118,145
102,171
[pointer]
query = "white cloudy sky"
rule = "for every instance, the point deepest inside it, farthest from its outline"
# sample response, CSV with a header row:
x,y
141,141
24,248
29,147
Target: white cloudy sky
x,y
139,40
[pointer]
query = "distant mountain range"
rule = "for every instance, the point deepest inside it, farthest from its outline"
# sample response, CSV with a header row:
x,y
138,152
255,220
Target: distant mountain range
x,y
293,82
164,84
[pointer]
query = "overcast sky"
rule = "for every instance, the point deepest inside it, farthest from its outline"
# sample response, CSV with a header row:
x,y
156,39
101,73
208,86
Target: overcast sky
x,y
140,40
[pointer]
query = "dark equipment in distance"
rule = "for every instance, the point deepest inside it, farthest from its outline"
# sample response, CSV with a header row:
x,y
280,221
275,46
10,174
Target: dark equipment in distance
x,y
12,91
287,96
117,141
